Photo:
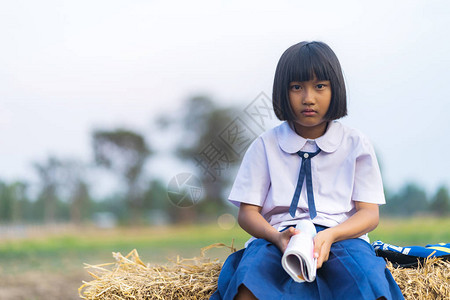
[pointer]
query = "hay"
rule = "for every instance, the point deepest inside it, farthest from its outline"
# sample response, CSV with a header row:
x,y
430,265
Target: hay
x,y
196,278
430,280
130,278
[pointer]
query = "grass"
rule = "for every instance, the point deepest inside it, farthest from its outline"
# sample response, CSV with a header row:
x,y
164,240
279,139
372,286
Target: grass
x,y
68,251
413,231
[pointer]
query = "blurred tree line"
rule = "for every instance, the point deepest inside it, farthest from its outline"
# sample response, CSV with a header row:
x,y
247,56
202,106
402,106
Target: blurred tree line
x,y
63,191
412,200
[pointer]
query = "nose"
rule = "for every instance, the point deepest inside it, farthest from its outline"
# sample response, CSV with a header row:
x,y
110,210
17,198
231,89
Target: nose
x,y
308,97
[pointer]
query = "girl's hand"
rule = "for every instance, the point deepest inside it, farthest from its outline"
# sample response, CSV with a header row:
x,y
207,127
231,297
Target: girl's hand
x,y
364,220
282,238
322,245
251,220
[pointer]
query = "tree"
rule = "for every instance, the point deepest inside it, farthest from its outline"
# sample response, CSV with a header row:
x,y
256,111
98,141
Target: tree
x,y
201,124
156,203
49,173
74,189
20,202
410,200
440,203
125,153
6,203
79,202
155,196
64,191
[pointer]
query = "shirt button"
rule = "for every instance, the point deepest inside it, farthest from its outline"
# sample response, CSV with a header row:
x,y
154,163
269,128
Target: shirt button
x,y
306,155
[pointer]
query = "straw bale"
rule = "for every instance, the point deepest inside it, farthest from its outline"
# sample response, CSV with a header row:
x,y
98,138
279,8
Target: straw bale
x,y
196,278
130,278
430,280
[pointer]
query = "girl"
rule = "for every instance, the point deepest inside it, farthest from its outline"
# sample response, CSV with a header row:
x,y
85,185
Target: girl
x,y
309,167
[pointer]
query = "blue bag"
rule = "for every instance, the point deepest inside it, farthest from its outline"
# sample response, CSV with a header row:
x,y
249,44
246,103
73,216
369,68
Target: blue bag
x,y
410,256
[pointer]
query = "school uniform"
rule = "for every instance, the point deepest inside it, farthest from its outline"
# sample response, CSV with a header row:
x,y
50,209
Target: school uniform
x,y
342,169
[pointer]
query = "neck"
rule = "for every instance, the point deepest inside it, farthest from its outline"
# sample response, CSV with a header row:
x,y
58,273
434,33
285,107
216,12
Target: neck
x,y
311,132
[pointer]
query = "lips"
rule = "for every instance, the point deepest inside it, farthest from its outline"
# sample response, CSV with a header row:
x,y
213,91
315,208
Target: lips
x,y
308,112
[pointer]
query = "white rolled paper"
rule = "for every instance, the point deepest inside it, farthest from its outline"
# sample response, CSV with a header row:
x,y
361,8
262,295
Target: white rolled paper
x,y
298,259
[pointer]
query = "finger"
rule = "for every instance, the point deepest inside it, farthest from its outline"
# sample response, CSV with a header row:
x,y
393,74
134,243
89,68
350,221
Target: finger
x,y
295,231
317,256
324,255
326,258
290,232
319,262
317,246
322,258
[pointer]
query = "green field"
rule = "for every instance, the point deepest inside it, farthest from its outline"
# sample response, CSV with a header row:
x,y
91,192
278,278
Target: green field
x,y
70,250
50,265
415,231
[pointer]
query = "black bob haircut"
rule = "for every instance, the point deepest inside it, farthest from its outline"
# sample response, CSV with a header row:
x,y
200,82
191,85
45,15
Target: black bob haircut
x,y
301,62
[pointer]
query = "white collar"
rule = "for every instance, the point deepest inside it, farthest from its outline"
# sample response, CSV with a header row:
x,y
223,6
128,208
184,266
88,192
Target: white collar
x,y
291,142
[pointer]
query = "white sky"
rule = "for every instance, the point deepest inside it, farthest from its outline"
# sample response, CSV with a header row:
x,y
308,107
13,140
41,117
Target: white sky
x,y
69,66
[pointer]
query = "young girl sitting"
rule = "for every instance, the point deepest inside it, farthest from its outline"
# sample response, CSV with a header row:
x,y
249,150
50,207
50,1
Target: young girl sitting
x,y
309,167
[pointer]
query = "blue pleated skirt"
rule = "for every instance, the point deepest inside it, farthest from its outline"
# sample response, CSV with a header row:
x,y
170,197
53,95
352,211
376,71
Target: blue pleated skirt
x,y
352,271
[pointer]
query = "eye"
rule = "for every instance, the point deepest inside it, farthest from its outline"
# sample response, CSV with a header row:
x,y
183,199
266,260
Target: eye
x,y
295,87
321,86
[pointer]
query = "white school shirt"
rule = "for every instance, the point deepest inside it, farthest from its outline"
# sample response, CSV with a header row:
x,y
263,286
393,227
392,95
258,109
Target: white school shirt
x,y
346,170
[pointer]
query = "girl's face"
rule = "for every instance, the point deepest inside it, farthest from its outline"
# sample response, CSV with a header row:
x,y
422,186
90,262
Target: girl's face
x,y
310,101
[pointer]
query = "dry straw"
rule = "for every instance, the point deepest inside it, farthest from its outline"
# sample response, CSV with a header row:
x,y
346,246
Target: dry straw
x,y
196,278
430,280
130,278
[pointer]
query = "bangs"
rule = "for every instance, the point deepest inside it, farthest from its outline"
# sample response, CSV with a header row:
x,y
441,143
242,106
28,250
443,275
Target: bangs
x,y
305,64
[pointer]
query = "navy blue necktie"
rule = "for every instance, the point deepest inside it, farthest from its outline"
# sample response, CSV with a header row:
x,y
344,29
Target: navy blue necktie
x,y
305,171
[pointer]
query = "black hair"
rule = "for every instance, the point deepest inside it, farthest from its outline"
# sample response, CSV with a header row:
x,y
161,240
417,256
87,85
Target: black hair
x,y
301,62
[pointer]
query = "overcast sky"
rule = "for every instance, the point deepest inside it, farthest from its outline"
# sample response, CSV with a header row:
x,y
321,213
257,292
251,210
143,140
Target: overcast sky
x,y
67,67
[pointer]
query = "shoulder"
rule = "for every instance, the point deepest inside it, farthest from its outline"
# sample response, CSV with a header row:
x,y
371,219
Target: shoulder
x,y
270,143
258,146
354,136
356,140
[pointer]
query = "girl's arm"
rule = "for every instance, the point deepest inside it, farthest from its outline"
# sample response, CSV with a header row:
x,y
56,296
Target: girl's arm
x,y
363,221
251,220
